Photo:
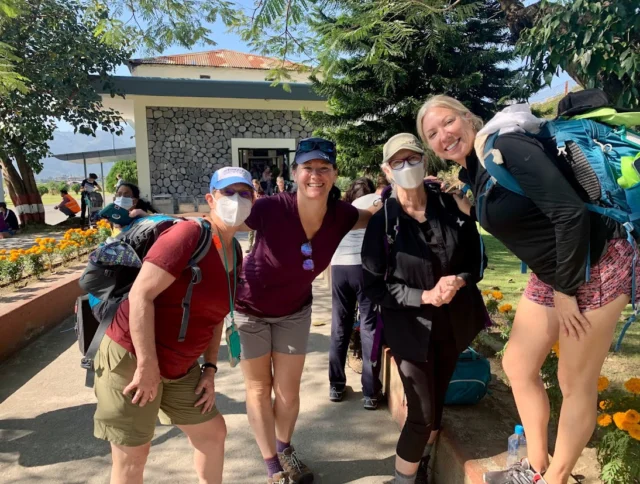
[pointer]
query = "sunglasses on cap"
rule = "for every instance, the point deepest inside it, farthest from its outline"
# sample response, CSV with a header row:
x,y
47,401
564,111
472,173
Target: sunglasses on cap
x,y
307,145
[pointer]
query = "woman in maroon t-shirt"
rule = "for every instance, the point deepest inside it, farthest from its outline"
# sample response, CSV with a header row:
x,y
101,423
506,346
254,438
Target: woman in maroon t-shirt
x,y
296,236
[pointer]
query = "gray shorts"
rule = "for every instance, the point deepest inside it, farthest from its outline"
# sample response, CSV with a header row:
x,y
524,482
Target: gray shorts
x,y
287,334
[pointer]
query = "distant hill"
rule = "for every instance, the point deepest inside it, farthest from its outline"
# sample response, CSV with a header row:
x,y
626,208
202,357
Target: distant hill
x,y
68,142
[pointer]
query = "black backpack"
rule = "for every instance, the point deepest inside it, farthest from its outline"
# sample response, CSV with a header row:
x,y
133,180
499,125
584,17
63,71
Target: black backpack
x,y
110,274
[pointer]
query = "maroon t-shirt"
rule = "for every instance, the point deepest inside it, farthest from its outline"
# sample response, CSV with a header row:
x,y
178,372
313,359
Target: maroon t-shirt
x,y
273,282
209,303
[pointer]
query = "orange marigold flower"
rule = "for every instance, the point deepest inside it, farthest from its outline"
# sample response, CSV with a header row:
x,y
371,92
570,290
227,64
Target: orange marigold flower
x,y
634,431
632,416
632,385
605,404
621,422
556,350
505,308
604,420
486,292
603,383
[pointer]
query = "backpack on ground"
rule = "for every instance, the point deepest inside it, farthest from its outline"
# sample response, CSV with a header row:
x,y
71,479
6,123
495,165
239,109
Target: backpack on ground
x,y
470,380
110,274
603,158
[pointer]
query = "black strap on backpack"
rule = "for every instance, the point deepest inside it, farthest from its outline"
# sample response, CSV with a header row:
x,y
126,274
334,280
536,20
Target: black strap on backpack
x,y
108,311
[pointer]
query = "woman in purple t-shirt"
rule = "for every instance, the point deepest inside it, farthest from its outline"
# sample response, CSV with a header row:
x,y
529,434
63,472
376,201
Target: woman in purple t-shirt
x,y
296,236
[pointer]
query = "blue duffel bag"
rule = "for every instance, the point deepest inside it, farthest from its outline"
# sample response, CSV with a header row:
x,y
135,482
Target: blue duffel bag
x,y
470,379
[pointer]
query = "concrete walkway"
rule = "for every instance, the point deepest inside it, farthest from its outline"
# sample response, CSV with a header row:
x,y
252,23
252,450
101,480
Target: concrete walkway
x,y
46,421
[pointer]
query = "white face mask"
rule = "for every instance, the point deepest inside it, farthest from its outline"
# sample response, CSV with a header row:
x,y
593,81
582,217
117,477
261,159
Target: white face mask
x,y
124,202
409,176
233,210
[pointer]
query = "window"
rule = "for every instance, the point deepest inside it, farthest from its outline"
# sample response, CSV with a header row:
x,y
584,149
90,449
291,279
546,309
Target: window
x,y
205,77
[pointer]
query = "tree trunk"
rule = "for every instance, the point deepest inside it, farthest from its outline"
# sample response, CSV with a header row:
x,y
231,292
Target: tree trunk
x,y
23,191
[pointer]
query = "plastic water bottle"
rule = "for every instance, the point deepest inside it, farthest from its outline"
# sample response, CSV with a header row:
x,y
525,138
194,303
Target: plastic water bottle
x,y
516,446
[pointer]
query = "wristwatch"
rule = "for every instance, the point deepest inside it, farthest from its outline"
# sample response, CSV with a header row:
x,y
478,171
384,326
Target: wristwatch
x,y
209,365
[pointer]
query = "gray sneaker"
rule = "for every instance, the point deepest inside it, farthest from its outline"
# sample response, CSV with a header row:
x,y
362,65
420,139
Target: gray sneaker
x,y
279,478
519,473
336,395
370,403
298,472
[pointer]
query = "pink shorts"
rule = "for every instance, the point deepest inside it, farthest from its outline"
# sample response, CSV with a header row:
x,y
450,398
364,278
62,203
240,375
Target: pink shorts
x,y
610,278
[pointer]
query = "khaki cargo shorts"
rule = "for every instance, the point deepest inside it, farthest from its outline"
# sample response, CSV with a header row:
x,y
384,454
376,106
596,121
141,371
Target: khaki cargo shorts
x,y
120,421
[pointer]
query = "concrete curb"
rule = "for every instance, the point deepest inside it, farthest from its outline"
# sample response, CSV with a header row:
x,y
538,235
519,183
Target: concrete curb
x,y
42,307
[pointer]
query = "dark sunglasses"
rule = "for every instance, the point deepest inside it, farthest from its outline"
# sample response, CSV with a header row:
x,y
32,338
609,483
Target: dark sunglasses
x,y
229,192
305,146
307,251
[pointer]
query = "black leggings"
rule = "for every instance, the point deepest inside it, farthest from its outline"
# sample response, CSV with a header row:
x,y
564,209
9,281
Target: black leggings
x,y
425,386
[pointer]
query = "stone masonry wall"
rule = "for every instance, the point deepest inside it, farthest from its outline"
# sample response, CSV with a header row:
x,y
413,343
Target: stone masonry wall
x,y
186,145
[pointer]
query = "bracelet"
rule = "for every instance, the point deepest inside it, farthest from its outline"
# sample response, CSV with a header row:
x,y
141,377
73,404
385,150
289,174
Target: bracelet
x,y
209,365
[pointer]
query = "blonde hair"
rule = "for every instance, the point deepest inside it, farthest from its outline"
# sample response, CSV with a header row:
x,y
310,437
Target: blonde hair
x,y
442,101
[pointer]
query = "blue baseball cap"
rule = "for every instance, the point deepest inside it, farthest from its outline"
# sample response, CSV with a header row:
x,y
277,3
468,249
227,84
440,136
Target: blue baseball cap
x,y
315,149
229,175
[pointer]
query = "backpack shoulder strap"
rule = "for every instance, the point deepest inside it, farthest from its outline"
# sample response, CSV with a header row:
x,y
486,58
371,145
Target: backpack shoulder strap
x,y
499,172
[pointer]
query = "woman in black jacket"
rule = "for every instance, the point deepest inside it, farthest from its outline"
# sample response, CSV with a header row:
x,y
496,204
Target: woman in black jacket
x,y
552,231
421,259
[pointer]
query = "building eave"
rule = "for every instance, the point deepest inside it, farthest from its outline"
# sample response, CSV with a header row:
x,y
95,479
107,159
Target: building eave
x,y
205,88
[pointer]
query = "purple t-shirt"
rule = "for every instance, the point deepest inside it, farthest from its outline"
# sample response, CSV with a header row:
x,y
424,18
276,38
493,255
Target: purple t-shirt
x,y
273,282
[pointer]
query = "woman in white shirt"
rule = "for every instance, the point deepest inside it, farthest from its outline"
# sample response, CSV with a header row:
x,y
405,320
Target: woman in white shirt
x,y
346,288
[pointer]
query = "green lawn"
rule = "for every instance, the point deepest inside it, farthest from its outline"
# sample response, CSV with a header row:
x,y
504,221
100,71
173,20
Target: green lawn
x,y
503,272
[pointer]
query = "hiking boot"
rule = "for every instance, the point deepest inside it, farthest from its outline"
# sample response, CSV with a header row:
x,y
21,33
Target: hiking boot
x,y
279,478
336,395
298,472
519,473
422,477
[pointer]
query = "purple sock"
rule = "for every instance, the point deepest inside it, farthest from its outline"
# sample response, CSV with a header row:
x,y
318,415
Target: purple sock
x,y
273,466
280,446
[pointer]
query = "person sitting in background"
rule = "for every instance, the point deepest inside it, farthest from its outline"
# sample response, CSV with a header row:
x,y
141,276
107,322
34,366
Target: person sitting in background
x,y
9,217
128,197
68,205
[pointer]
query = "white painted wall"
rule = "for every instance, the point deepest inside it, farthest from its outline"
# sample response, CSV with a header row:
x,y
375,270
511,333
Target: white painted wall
x,y
216,73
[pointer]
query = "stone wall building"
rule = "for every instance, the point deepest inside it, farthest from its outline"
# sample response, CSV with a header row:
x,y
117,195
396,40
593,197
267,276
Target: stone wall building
x,y
187,127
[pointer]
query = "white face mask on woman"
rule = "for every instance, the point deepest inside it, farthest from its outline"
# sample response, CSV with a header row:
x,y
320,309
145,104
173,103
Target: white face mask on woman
x,y
409,176
233,210
124,202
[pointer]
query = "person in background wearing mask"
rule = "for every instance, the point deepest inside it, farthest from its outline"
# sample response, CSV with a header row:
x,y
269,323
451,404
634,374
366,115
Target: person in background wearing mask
x,y
68,205
297,234
346,294
424,281
9,217
259,194
142,371
128,197
87,186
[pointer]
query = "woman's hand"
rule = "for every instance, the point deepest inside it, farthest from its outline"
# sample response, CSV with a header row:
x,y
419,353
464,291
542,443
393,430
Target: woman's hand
x,y
432,297
206,387
137,212
571,319
464,205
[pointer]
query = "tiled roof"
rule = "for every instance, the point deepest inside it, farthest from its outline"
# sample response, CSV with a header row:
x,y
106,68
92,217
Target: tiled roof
x,y
215,58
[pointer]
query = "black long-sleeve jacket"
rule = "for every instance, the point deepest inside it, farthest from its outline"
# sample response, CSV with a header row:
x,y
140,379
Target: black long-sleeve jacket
x,y
550,229
413,266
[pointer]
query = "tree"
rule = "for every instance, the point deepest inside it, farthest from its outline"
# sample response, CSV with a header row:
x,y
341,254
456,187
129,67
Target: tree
x,y
128,170
596,42
60,58
76,188
43,189
377,83
55,187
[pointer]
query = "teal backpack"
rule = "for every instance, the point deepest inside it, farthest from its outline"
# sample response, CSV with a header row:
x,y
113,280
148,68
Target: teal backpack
x,y
470,380
597,153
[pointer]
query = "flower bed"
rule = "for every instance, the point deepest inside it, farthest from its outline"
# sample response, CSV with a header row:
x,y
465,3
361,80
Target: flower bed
x,y
47,253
